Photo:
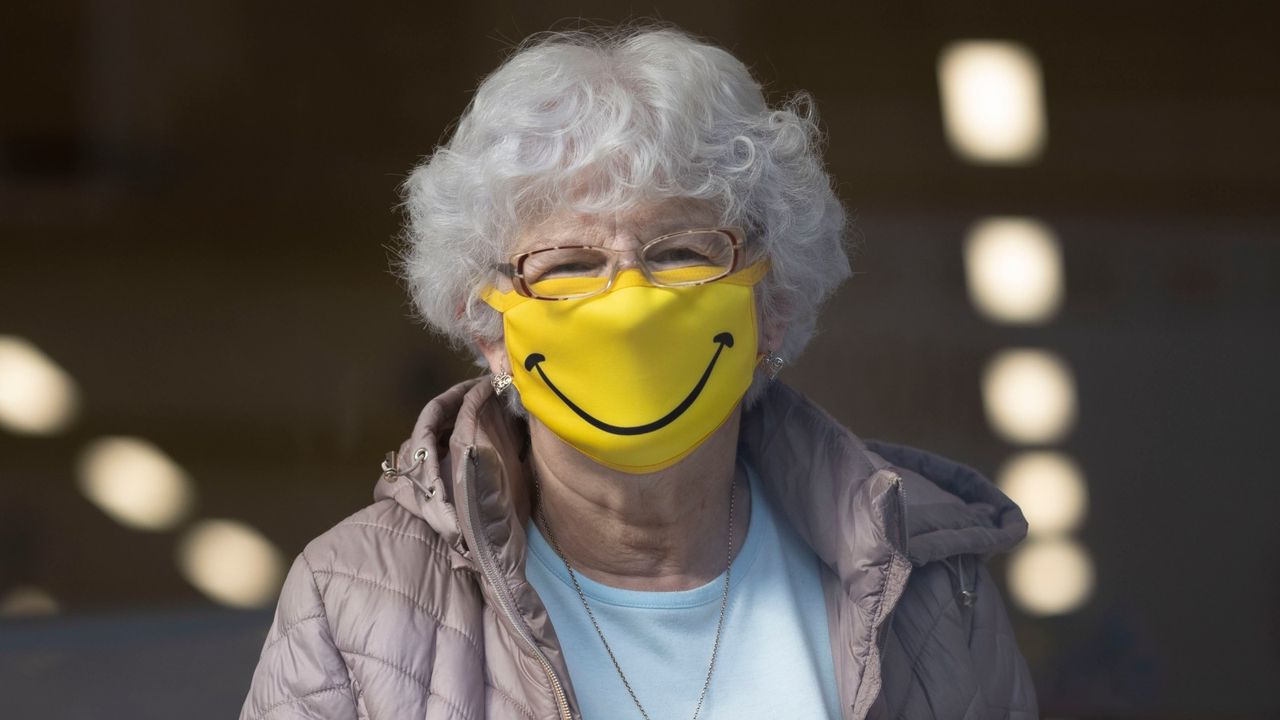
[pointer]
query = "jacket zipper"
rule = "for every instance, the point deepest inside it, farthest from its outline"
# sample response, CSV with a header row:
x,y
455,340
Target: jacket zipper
x,y
901,489
902,500
493,575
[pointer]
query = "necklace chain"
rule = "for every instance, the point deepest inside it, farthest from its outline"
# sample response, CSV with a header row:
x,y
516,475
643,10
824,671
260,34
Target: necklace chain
x,y
724,604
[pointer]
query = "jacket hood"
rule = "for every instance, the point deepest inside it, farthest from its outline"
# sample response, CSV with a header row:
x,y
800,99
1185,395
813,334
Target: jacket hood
x,y
953,509
944,508
852,500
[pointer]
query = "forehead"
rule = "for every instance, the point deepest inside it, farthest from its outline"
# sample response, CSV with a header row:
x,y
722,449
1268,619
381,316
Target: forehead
x,y
633,225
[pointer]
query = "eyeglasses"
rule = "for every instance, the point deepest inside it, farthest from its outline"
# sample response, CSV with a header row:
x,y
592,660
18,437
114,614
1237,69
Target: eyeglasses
x,y
688,257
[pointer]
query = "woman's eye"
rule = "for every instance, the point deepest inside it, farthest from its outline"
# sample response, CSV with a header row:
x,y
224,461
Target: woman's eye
x,y
682,256
575,268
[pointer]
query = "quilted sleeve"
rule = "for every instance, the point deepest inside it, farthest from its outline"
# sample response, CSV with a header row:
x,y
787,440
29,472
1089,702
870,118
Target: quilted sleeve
x,y
1001,669
300,673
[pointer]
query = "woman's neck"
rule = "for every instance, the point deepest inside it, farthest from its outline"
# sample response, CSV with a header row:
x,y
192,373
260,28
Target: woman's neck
x,y
666,531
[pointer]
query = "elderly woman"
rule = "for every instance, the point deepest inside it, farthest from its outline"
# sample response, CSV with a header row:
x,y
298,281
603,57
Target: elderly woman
x,y
629,516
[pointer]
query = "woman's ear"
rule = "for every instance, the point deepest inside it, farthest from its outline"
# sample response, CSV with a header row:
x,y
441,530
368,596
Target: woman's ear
x,y
495,354
774,328
771,335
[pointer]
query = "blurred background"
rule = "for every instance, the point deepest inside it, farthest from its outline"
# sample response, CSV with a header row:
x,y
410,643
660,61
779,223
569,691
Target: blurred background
x,y
1068,276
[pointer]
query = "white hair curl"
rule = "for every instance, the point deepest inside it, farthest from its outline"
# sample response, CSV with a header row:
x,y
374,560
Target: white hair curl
x,y
597,121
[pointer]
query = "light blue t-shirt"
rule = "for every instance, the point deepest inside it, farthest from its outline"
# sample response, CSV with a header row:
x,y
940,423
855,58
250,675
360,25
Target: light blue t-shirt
x,y
775,654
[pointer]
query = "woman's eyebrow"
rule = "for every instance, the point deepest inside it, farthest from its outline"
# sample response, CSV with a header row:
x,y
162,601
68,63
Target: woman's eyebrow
x,y
656,228
542,243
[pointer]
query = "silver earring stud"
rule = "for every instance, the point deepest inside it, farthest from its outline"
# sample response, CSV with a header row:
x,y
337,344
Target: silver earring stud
x,y
773,364
500,382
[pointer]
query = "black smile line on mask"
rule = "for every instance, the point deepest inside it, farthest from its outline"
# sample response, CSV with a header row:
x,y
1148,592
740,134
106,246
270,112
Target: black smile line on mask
x,y
722,340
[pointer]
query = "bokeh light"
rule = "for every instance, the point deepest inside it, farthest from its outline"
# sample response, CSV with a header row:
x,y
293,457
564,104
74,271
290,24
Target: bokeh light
x,y
1050,489
1029,396
1014,269
231,563
135,483
1050,576
37,397
28,601
992,101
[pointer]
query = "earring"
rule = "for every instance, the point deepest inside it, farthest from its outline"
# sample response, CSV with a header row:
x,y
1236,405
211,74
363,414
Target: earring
x,y
500,382
773,364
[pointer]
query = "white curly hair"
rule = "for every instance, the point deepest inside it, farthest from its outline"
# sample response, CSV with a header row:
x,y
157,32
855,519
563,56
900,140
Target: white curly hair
x,y
600,120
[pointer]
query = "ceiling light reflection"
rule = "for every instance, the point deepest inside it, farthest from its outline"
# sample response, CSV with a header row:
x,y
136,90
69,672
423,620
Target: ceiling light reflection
x,y
37,397
992,101
1029,396
231,563
135,483
1049,488
1014,269
1050,576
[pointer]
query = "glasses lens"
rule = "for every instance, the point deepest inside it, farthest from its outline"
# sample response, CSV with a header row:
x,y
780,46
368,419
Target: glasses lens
x,y
566,272
690,258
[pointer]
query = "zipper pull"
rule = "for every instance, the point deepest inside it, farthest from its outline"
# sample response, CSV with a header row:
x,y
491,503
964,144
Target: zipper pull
x,y
966,596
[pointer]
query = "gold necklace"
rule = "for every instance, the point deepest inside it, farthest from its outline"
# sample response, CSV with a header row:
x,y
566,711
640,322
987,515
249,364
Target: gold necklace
x,y
724,603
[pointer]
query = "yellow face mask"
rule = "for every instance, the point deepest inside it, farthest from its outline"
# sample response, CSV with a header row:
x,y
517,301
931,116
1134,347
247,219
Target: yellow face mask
x,y
639,376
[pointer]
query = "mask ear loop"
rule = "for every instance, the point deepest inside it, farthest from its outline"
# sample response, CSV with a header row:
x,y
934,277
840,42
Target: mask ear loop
x,y
751,276
501,301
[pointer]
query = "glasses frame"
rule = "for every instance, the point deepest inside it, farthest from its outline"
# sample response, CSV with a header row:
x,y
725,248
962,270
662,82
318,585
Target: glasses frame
x,y
514,270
